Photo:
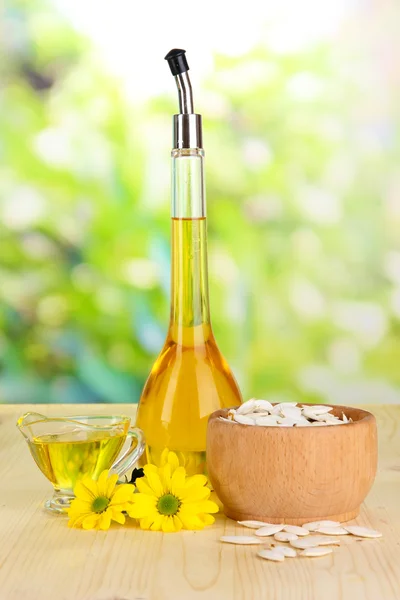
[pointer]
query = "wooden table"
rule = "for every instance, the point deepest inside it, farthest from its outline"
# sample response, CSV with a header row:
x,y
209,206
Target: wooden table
x,y
41,559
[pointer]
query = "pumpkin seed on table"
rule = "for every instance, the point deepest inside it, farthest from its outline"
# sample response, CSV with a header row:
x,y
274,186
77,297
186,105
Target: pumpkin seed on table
x,y
325,534
363,531
285,536
271,555
324,540
269,530
314,552
286,551
313,541
332,530
299,531
255,524
303,543
314,525
240,539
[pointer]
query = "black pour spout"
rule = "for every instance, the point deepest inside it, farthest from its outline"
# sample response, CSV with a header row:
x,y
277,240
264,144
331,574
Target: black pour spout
x,y
177,61
187,125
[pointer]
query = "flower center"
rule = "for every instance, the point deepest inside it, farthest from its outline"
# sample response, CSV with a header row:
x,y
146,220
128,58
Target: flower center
x,y
168,504
100,504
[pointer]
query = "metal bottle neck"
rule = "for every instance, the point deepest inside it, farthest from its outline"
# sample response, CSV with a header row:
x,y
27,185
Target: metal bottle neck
x,y
187,131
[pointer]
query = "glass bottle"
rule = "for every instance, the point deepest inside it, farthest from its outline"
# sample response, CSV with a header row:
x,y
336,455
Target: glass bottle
x,y
190,378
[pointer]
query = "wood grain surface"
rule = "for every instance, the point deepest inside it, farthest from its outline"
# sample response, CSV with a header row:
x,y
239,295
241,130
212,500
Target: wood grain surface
x,y
41,559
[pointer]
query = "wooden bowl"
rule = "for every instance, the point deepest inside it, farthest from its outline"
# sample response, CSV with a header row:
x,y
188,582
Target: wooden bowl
x,y
292,474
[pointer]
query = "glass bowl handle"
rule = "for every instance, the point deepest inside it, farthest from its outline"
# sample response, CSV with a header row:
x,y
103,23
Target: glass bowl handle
x,y
132,454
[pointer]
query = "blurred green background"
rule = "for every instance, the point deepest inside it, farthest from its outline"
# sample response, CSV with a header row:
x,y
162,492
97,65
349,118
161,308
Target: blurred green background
x,y
303,190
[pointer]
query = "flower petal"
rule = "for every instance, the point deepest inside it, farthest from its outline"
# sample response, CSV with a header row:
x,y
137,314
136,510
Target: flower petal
x,y
142,506
111,483
117,516
196,480
76,520
154,481
164,457
73,513
190,521
157,523
149,468
146,522
165,477
195,494
122,494
208,506
143,486
141,499
168,525
177,523
205,506
102,483
207,519
178,481
90,521
105,520
86,489
173,461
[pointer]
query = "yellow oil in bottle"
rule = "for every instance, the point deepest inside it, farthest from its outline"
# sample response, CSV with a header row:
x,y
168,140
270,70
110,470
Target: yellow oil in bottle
x,y
190,378
65,458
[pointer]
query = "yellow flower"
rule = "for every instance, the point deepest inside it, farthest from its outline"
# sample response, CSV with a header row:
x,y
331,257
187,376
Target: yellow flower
x,y
97,503
193,462
169,501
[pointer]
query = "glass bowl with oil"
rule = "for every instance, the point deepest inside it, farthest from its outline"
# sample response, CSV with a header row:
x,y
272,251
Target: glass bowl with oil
x,y
68,448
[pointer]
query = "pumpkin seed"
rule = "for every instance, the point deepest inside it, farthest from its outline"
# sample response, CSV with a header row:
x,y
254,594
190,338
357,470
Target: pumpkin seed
x,y
240,539
314,552
228,420
303,543
363,531
314,540
299,531
285,536
285,414
263,405
318,409
246,407
332,531
293,412
270,421
315,525
243,419
269,530
286,551
254,524
271,555
324,540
